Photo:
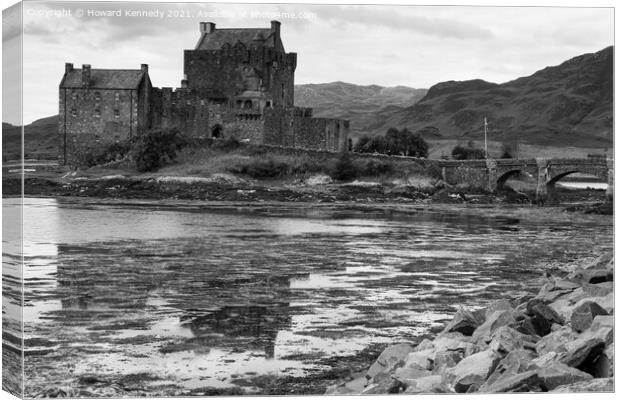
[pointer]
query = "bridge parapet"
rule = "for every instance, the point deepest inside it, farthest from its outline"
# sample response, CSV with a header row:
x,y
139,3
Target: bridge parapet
x,y
491,174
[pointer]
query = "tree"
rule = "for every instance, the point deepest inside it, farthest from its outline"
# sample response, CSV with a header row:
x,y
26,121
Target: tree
x,y
394,142
467,153
507,150
153,149
343,169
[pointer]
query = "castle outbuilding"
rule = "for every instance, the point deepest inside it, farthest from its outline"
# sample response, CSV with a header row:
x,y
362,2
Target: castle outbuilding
x,y
237,83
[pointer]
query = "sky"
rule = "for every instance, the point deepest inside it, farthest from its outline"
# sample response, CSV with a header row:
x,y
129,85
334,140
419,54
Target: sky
x,y
416,46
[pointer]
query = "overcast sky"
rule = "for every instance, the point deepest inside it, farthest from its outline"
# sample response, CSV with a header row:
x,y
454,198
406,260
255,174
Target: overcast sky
x,y
415,46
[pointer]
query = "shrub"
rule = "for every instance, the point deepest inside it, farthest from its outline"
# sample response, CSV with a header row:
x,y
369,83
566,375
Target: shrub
x,y
113,152
228,144
344,169
307,165
507,151
371,167
153,149
261,168
394,142
467,153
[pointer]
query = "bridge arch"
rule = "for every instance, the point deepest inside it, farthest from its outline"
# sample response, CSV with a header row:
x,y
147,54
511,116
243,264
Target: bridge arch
x,y
556,178
551,192
501,181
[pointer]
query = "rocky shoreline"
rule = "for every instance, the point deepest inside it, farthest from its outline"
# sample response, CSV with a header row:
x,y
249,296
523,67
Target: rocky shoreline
x,y
226,187
560,340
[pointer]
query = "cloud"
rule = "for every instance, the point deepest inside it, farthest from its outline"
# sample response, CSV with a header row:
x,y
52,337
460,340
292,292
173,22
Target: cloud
x,y
385,45
401,18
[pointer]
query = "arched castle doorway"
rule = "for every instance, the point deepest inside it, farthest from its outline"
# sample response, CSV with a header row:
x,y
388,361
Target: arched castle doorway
x,y
216,131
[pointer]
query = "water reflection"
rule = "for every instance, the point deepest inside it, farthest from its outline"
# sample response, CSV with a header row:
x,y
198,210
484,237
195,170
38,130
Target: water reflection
x,y
197,297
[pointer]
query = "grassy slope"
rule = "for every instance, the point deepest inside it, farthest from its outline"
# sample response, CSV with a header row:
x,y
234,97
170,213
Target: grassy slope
x,y
40,139
566,105
362,105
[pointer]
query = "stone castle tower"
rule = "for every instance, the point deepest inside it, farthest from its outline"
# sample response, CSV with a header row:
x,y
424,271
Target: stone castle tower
x,y
237,82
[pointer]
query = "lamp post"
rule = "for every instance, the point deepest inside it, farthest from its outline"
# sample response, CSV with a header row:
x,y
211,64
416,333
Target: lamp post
x,y
486,152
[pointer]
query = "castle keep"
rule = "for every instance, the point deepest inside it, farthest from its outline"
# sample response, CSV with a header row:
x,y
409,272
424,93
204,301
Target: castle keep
x,y
237,83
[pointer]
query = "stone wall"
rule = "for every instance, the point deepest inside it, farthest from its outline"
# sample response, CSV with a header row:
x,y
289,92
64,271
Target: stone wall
x,y
93,119
295,127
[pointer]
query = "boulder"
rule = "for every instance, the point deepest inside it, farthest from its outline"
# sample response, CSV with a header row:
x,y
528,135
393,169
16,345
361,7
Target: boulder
x,y
355,386
446,359
609,354
527,381
546,359
392,357
583,315
480,314
498,305
420,359
455,341
514,363
425,345
505,339
556,374
564,307
604,333
521,298
463,322
533,326
541,310
556,341
582,352
492,323
384,386
472,370
597,275
409,373
427,384
555,288
603,261
602,321
603,367
594,385
598,289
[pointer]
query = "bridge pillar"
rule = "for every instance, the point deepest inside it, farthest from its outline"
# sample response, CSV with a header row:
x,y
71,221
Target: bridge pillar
x,y
491,174
543,177
609,194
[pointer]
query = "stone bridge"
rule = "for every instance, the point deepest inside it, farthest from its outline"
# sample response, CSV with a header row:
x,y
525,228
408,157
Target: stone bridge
x,y
492,174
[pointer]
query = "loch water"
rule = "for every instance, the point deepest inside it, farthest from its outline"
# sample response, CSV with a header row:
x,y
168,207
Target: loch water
x,y
193,295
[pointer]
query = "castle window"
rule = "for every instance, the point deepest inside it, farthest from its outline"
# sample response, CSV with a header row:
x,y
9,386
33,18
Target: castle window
x,y
239,104
268,104
202,102
117,113
73,112
97,113
74,95
97,96
117,96
248,105
188,102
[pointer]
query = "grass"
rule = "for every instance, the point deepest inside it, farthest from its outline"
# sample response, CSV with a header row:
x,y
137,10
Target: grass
x,y
439,148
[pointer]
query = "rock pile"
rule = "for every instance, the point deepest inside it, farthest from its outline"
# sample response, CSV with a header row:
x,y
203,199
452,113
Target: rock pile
x,y
560,340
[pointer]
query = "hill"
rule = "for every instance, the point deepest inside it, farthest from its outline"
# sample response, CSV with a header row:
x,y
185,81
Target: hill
x,y
570,104
362,105
39,137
